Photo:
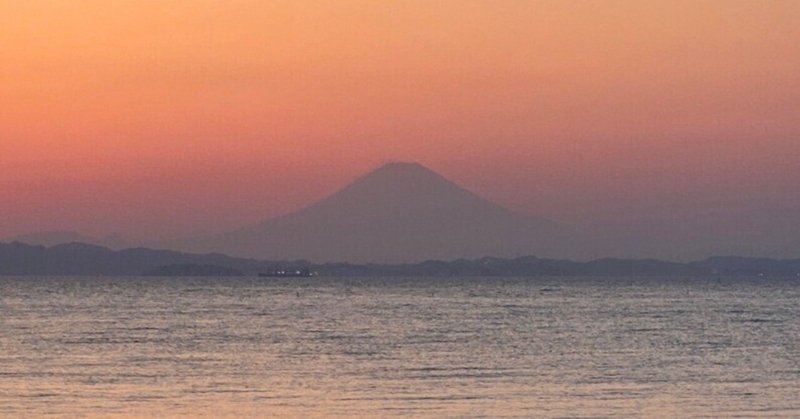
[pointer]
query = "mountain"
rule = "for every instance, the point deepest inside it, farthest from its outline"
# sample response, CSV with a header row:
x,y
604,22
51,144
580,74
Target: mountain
x,y
400,212
52,238
82,259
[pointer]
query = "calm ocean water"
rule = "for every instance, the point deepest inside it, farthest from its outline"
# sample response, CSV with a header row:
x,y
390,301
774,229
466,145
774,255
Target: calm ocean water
x,y
548,347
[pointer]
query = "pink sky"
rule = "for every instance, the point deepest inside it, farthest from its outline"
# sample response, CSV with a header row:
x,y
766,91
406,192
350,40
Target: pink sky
x,y
160,119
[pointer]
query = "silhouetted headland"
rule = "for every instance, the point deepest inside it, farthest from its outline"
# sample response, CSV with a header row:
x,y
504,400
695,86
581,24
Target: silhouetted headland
x,y
82,259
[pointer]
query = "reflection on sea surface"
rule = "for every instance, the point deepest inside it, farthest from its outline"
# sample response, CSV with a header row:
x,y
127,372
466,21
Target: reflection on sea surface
x,y
383,347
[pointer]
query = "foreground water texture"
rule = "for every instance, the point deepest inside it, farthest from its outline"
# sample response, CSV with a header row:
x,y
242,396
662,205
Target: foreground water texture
x,y
385,347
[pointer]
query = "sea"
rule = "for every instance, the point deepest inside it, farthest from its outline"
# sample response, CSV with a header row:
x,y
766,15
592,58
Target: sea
x,y
399,347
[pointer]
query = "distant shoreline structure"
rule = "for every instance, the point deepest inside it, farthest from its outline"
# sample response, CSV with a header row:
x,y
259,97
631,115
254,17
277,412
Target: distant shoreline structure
x,y
288,273
78,259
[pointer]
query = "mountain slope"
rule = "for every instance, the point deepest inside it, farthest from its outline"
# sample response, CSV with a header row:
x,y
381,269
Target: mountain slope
x,y
400,212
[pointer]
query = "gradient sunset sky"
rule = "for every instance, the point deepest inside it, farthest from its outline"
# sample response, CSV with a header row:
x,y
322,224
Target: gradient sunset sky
x,y
156,119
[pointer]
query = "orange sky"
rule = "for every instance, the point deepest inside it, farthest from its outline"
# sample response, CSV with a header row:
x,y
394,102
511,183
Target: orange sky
x,y
162,118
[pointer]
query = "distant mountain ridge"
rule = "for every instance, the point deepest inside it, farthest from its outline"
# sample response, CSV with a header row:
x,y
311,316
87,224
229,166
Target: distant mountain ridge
x,y
82,259
85,259
400,212
56,237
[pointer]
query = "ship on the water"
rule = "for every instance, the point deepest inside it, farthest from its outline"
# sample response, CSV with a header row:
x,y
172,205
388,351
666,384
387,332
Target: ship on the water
x,y
288,273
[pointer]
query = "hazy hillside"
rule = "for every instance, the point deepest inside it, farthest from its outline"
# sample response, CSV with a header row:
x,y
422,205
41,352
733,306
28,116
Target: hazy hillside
x,y
52,238
84,259
81,259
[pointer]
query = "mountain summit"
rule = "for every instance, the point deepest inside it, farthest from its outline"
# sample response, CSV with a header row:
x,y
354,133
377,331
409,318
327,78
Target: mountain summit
x,y
399,212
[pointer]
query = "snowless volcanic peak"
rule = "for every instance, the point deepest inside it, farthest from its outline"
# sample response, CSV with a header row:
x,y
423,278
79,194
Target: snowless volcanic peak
x,y
399,212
